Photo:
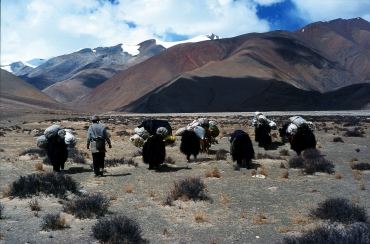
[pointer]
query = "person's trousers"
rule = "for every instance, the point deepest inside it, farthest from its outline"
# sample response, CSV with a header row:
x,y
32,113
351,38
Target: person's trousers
x,y
98,162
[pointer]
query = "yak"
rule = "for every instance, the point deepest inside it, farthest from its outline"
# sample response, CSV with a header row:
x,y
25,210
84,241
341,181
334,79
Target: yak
x,y
190,144
303,139
57,152
241,147
263,135
154,151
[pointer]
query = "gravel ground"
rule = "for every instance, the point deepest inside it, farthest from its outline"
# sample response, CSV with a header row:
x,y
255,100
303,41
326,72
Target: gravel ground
x,y
241,209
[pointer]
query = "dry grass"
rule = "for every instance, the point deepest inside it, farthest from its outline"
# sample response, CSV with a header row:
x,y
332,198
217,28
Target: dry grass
x,y
34,204
260,220
129,188
200,217
319,146
6,192
208,173
216,173
363,186
355,199
39,167
285,175
263,171
166,232
224,198
282,166
314,190
253,172
301,221
285,229
358,175
338,176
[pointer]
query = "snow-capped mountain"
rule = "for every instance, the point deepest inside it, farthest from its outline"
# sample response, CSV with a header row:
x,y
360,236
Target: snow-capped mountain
x,y
23,67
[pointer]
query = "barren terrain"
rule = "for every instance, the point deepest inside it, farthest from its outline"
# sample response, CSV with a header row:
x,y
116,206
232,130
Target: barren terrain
x,y
242,209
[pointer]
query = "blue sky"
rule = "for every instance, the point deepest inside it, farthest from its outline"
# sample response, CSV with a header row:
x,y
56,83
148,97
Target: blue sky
x,y
46,28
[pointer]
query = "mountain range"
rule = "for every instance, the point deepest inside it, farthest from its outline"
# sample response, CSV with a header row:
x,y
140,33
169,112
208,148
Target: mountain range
x,y
321,66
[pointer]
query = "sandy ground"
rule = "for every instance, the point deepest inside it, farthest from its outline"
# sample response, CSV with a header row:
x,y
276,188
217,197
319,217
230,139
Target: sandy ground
x,y
243,209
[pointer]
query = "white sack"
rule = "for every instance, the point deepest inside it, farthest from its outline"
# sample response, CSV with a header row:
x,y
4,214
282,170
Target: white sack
x,y
292,129
272,125
180,131
70,139
51,131
162,131
297,120
142,132
42,142
199,131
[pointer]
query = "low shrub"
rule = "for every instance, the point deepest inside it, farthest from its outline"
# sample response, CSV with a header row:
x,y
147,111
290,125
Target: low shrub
x,y
1,211
338,139
114,162
340,210
189,188
77,156
94,205
284,152
53,222
360,165
266,156
47,183
311,162
356,233
38,151
122,133
354,133
117,229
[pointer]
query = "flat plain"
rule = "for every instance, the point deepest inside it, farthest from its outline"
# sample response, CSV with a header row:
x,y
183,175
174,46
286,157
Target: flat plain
x,y
241,208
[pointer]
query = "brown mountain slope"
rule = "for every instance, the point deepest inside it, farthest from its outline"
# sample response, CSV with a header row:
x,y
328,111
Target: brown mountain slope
x,y
11,85
323,57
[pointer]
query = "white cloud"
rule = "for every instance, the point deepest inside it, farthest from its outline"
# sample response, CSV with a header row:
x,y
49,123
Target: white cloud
x,y
44,28
326,10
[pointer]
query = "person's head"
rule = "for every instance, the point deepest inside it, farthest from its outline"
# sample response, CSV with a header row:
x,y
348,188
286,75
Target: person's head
x,y
95,118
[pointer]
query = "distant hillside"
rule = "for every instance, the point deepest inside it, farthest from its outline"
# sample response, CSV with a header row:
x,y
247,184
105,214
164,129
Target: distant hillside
x,y
298,70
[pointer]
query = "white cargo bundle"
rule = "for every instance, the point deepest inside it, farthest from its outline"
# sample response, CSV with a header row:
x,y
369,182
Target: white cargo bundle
x,y
311,125
298,120
142,132
292,129
162,131
69,139
194,123
42,142
199,131
51,131
203,121
61,133
272,125
212,123
180,131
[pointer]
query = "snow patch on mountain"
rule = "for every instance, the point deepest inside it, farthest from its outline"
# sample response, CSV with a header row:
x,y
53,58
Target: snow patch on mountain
x,y
195,39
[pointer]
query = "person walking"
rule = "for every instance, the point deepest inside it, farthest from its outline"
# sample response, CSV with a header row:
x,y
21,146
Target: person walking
x,y
97,135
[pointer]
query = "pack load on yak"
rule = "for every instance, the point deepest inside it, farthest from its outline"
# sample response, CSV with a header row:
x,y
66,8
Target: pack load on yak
x,y
262,129
199,126
53,132
150,128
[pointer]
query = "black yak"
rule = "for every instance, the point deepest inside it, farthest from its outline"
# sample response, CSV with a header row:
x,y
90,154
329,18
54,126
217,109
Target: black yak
x,y
154,151
57,152
283,134
303,139
263,135
241,147
190,144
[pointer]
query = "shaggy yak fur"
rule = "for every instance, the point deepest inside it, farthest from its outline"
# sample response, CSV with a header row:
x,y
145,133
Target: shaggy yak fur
x,y
263,135
303,139
205,144
154,151
190,144
57,152
241,147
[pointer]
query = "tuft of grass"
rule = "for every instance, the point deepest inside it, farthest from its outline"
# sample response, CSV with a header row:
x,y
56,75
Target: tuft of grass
x,y
117,229
122,133
362,186
359,165
129,188
216,173
54,222
200,217
260,219
338,176
358,175
253,172
47,183
285,175
39,167
224,198
93,205
282,166
263,171
339,210
34,204
208,173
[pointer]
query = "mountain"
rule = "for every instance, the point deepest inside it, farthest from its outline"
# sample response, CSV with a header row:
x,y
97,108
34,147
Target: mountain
x,y
297,70
69,76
